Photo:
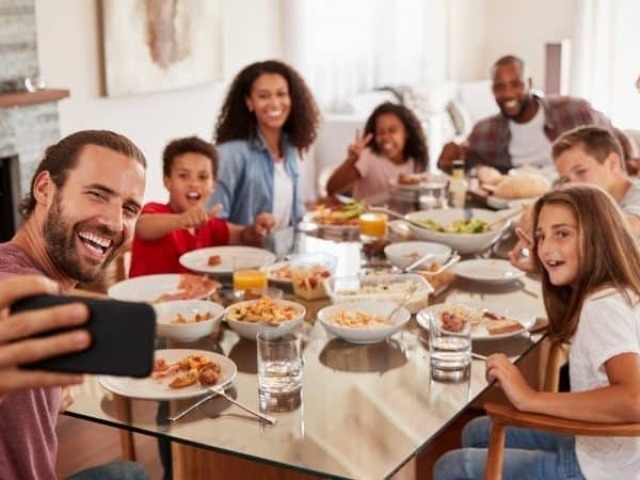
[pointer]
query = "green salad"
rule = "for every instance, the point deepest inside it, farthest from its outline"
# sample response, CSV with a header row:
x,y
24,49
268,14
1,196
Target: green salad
x,y
474,225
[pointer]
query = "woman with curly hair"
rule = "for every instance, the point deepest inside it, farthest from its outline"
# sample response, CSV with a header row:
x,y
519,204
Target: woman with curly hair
x,y
267,120
393,144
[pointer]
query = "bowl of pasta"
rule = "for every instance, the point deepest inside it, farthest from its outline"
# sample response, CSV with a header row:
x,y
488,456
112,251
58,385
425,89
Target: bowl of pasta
x,y
363,322
187,320
468,231
273,316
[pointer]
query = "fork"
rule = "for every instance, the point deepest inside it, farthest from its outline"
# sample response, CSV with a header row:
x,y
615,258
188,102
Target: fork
x,y
220,391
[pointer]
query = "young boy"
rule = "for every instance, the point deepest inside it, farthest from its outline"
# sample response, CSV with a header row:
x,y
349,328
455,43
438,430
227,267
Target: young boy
x,y
166,231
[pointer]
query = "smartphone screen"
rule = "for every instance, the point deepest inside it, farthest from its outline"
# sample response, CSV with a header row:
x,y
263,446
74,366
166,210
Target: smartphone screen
x,y
122,337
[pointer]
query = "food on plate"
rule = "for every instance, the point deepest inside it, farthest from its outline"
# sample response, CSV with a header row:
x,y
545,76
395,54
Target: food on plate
x,y
409,179
263,310
186,379
198,317
452,317
307,281
187,371
214,260
379,288
341,214
209,374
498,324
498,327
357,319
439,281
190,287
282,273
522,186
488,175
473,225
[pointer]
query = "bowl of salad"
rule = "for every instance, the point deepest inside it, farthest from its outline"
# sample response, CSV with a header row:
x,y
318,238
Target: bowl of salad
x,y
468,231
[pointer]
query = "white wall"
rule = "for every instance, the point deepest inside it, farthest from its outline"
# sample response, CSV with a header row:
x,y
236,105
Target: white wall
x,y
522,27
481,31
69,54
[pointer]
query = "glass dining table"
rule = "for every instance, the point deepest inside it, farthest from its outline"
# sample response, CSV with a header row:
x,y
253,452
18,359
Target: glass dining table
x,y
364,411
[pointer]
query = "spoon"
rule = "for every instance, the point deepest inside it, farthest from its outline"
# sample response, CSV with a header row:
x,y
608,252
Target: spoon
x,y
418,262
407,296
455,258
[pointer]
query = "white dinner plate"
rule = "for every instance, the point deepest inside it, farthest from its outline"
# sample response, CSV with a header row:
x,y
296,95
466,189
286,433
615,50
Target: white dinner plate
x,y
272,273
429,182
149,288
488,270
158,389
479,332
309,218
197,260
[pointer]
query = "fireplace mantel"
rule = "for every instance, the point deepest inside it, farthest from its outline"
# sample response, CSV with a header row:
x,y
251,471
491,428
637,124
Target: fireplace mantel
x,y
17,99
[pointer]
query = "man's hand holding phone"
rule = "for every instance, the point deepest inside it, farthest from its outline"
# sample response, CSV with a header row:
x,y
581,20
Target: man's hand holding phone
x,y
19,340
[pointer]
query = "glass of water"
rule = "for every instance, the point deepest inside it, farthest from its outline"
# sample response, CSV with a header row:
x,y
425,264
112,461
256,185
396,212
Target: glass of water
x,y
279,363
450,347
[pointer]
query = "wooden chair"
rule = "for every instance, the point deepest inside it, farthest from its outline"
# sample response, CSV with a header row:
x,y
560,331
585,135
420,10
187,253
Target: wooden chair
x,y
503,416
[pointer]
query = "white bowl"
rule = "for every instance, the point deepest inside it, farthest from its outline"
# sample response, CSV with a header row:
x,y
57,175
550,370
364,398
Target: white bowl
x,y
190,331
372,334
403,254
385,287
249,330
464,243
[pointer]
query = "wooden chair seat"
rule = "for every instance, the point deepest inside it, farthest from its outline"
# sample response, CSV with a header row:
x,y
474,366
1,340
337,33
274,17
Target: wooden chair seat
x,y
503,416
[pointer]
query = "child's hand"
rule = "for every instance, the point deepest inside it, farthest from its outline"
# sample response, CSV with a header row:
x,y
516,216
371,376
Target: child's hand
x,y
194,217
356,148
521,256
509,378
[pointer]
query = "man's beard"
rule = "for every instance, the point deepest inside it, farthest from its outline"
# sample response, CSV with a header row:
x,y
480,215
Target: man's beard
x,y
524,104
59,239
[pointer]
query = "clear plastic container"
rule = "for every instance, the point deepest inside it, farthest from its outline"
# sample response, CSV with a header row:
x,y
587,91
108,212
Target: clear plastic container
x,y
308,270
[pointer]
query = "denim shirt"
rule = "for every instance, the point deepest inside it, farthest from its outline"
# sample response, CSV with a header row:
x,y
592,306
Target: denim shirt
x,y
245,180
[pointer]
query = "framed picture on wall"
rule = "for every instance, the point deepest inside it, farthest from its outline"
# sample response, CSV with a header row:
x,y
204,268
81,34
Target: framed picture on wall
x,y
157,45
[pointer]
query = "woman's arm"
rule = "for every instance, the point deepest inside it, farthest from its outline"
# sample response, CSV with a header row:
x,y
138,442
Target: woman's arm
x,y
617,402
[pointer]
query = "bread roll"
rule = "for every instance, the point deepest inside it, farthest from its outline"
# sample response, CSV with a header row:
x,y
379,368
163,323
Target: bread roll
x,y
522,186
488,175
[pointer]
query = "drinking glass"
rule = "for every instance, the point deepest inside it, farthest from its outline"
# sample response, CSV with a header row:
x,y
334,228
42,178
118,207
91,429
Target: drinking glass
x,y
248,275
279,363
450,348
373,226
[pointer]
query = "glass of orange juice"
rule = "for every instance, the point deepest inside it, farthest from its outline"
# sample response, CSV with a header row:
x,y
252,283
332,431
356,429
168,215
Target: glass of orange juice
x,y
373,226
248,275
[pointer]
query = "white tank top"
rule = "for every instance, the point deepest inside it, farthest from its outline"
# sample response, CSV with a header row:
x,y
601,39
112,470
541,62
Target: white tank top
x,y
529,145
282,196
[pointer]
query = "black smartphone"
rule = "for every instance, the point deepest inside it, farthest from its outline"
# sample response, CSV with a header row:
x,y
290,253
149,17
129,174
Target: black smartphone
x,y
122,337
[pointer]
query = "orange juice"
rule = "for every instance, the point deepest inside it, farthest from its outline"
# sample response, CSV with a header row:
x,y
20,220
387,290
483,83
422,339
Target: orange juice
x,y
373,225
249,279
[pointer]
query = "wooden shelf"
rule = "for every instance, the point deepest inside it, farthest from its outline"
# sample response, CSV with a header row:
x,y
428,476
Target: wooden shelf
x,y
17,99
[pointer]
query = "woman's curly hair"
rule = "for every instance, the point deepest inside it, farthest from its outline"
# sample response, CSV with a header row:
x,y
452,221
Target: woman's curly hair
x,y
236,122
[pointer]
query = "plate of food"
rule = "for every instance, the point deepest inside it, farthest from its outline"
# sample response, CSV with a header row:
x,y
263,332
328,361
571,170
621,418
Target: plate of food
x,y
488,270
219,260
340,216
419,181
177,374
279,273
164,288
275,316
488,322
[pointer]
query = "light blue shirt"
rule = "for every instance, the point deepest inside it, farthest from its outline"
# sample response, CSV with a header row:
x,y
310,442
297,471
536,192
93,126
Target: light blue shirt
x,y
245,180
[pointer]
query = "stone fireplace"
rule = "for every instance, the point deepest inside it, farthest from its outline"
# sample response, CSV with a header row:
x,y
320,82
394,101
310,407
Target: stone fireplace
x,y
29,121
